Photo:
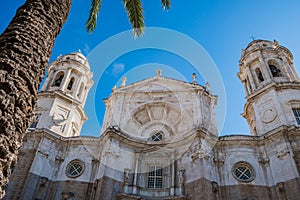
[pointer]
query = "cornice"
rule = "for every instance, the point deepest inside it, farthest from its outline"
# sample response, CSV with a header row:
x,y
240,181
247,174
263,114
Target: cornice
x,y
275,133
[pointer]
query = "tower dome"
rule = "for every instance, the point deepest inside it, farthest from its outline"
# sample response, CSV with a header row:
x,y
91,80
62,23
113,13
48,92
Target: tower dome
x,y
70,74
264,62
271,85
63,95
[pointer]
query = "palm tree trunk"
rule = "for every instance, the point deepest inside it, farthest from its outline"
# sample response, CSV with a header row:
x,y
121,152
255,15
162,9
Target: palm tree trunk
x,y
25,49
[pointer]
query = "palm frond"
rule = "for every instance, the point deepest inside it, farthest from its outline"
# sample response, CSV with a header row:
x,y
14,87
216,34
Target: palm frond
x,y
94,11
135,15
166,4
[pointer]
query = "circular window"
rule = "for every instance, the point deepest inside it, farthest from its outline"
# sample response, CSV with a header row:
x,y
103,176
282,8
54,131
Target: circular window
x,y
243,171
157,137
75,168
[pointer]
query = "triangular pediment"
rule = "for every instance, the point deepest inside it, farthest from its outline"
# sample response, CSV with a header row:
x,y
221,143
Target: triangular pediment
x,y
159,84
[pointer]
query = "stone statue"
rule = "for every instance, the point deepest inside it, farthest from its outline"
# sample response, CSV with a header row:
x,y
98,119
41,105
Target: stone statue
x,y
207,87
158,72
243,52
114,88
126,181
124,79
181,177
126,175
194,76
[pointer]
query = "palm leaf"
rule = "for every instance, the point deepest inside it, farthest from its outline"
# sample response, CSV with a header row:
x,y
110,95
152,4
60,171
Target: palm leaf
x,y
166,4
135,15
94,11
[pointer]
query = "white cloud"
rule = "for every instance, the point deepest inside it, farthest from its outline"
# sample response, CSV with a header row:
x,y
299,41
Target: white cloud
x,y
86,49
118,68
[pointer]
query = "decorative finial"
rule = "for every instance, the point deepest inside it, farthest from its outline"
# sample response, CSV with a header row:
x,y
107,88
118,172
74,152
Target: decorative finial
x,y
124,79
194,76
275,43
126,175
252,38
207,87
243,52
158,72
114,88
181,177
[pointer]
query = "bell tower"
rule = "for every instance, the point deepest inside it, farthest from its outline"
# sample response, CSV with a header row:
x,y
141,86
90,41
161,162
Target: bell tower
x,y
271,85
63,95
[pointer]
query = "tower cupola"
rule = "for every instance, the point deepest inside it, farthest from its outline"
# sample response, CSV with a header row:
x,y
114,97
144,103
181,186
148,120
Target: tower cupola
x,y
70,75
63,95
263,63
272,86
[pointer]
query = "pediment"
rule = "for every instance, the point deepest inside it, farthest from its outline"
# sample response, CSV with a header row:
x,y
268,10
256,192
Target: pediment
x,y
159,84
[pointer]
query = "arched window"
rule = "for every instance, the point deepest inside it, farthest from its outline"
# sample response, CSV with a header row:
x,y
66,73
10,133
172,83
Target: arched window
x,y
275,71
70,84
157,137
58,79
259,75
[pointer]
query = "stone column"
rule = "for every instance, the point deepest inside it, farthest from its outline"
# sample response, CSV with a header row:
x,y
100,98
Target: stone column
x,y
90,194
77,86
288,68
59,159
172,189
137,157
245,88
48,81
250,77
181,181
291,157
65,79
264,69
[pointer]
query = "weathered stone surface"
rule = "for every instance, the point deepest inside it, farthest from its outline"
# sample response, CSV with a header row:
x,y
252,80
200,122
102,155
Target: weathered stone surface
x,y
159,139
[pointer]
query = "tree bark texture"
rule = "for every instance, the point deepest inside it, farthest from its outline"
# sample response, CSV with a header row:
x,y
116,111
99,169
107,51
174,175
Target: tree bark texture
x,y
25,49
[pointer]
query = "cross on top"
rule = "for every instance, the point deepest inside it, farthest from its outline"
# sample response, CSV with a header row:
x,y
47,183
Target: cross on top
x,y
252,38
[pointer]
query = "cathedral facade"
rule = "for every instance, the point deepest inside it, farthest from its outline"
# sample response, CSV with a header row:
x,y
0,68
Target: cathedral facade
x,y
159,138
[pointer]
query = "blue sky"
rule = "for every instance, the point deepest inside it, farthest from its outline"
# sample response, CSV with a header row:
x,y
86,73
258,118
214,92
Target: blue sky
x,y
222,28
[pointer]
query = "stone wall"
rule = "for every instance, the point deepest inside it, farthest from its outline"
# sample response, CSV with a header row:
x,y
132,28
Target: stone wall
x,y
201,189
289,190
205,189
108,188
20,174
295,145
